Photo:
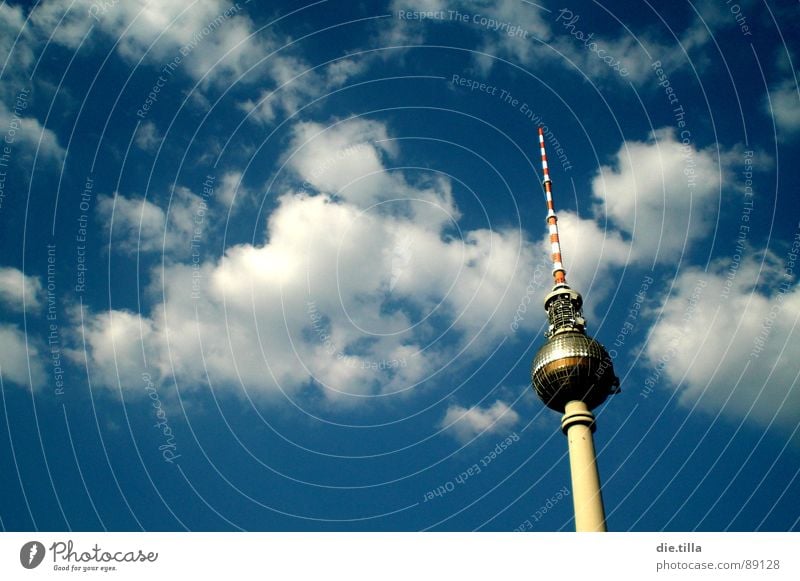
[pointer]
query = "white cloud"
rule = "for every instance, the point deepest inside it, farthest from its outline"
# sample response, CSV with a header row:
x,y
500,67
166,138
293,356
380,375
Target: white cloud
x,y
254,322
296,85
519,48
66,23
727,342
138,225
339,72
347,290
209,37
18,289
20,361
213,41
27,132
465,424
783,106
16,357
17,56
231,188
119,341
661,193
14,52
345,159
147,136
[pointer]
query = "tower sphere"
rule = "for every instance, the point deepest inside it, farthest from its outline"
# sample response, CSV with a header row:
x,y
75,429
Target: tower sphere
x,y
572,366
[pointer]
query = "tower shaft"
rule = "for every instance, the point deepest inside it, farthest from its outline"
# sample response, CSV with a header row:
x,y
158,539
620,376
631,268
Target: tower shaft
x,y
587,499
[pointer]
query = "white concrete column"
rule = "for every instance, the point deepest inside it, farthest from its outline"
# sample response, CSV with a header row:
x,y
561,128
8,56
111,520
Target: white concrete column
x,y
578,425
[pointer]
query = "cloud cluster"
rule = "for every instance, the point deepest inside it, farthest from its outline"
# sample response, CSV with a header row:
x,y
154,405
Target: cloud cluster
x,y
526,34
16,54
364,287
20,359
661,193
726,340
782,105
467,423
296,84
25,132
148,137
212,38
17,290
140,225
723,338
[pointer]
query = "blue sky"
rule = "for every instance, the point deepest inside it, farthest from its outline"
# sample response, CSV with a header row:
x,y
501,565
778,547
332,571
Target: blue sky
x,y
276,266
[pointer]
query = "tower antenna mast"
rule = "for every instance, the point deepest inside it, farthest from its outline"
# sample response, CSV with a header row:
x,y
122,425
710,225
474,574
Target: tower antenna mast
x,y
572,374
559,274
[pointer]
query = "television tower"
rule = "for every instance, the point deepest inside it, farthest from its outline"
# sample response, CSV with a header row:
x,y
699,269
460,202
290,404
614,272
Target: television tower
x,y
573,374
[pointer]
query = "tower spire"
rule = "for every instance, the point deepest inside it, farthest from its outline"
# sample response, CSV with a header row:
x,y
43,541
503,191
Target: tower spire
x,y
559,274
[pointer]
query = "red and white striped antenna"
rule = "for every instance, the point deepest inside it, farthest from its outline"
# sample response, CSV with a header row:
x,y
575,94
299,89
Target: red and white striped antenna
x,y
559,274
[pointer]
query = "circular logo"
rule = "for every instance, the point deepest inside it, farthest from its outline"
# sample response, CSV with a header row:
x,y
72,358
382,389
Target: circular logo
x,y
31,554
